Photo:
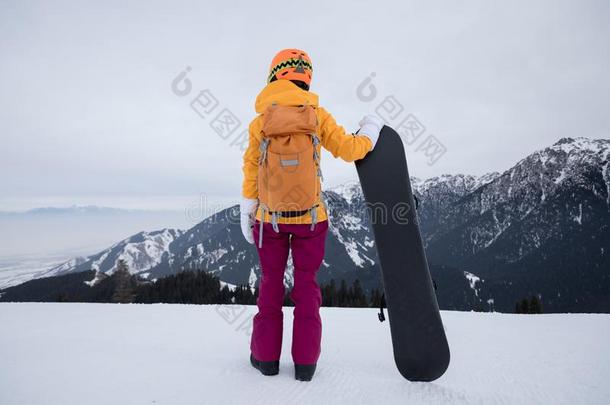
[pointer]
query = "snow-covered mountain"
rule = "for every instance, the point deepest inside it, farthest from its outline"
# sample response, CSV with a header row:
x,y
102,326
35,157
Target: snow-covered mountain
x,y
437,194
576,168
541,227
142,252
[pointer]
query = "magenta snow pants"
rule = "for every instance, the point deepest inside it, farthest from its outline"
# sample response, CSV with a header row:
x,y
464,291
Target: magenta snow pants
x,y
307,248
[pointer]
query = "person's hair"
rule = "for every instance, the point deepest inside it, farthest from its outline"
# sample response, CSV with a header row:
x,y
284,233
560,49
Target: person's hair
x,y
299,83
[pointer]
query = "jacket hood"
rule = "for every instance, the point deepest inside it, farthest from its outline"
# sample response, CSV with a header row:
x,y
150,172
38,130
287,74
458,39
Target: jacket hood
x,y
284,92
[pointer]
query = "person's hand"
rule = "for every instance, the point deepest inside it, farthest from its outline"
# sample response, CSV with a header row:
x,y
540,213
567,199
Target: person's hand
x,y
370,126
247,208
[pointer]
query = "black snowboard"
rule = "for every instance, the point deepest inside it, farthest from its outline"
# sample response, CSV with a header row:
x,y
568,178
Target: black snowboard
x,y
421,351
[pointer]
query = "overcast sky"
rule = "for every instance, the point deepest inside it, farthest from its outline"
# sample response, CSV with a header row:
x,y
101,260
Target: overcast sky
x,y
88,116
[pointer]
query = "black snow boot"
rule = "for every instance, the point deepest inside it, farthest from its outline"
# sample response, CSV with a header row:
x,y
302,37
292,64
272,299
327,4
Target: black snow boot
x,y
265,367
304,372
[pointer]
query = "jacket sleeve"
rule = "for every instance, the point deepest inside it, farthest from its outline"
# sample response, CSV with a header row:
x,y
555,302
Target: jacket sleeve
x,y
250,167
346,146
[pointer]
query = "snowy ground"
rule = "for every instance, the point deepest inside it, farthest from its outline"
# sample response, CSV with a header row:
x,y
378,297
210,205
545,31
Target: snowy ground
x,y
178,354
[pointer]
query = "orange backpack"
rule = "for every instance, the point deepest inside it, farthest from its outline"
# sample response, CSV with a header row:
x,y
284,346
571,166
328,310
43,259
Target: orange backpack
x,y
289,164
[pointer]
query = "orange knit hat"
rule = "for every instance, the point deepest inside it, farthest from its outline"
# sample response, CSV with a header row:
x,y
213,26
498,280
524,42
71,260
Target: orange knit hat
x,y
291,64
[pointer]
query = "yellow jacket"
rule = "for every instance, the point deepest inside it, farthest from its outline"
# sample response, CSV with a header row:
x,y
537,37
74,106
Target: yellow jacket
x,y
333,138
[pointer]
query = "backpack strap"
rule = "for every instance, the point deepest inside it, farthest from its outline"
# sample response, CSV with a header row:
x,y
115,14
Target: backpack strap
x,y
264,146
316,156
313,211
260,225
274,218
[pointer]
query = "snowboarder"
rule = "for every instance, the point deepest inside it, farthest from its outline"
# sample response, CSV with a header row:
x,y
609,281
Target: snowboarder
x,y
282,209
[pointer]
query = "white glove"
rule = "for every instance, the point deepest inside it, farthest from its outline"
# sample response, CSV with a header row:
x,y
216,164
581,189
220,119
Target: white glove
x,y
247,210
370,126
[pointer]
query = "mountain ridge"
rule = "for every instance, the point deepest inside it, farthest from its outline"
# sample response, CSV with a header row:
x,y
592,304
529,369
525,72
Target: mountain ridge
x,y
519,228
